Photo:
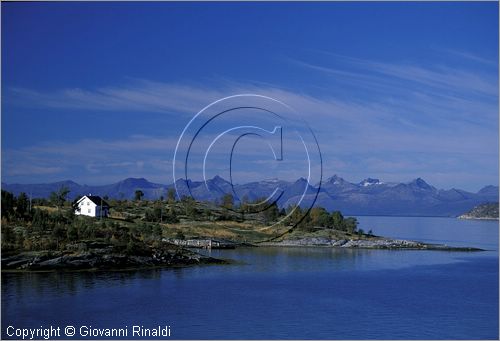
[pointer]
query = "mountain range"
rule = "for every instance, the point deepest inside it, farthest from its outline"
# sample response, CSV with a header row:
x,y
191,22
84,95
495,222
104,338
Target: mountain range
x,y
368,197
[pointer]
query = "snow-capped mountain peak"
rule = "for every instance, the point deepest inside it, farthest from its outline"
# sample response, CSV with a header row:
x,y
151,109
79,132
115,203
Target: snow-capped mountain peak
x,y
370,182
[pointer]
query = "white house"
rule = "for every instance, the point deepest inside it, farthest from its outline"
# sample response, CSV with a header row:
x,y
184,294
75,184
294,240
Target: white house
x,y
91,205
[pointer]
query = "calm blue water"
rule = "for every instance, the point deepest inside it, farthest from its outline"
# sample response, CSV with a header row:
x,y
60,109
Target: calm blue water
x,y
288,293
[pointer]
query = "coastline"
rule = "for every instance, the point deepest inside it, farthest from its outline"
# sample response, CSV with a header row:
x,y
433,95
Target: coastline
x,y
468,217
376,244
105,258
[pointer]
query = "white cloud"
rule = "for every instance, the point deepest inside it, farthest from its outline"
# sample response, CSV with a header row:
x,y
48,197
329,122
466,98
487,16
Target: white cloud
x,y
436,111
138,95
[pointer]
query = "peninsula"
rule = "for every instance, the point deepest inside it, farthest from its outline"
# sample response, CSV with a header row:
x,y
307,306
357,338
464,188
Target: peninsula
x,y
51,235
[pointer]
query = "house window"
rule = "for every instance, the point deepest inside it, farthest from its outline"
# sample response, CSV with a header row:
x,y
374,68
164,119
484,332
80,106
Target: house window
x,y
88,203
89,210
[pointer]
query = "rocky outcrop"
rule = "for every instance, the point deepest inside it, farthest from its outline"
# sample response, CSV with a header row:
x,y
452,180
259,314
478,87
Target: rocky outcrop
x,y
486,211
371,243
204,243
105,257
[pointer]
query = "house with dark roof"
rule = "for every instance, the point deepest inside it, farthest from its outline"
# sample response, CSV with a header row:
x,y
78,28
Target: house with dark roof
x,y
92,206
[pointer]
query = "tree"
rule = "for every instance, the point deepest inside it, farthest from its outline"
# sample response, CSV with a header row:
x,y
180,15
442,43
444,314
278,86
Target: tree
x,y
138,195
270,214
227,201
8,202
59,198
351,224
154,215
295,214
189,206
337,220
244,207
170,217
171,195
41,220
8,235
320,217
22,205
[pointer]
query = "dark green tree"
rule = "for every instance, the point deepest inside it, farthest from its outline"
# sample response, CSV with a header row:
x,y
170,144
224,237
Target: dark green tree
x,y
138,195
170,217
351,224
171,195
244,207
41,220
227,201
8,236
58,198
295,215
189,206
22,205
320,217
8,203
270,214
337,220
155,214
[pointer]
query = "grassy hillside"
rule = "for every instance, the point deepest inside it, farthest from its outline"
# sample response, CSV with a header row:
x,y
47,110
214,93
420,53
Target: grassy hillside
x,y
54,226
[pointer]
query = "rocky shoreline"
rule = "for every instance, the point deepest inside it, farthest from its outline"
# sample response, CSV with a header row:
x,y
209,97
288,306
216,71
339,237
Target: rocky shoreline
x,y
369,243
470,217
101,256
372,243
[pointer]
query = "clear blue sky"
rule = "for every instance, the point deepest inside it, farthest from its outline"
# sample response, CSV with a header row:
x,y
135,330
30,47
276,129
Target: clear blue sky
x,y
96,92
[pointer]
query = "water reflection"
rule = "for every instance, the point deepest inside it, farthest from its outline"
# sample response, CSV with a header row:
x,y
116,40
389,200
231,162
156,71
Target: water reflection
x,y
15,285
268,261
278,293
450,231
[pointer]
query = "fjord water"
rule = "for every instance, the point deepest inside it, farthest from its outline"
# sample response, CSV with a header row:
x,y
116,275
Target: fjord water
x,y
288,293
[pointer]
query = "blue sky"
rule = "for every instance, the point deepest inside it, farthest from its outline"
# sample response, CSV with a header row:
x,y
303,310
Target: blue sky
x,y
97,92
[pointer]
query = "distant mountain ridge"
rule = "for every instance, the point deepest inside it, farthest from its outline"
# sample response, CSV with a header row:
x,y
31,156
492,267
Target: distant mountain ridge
x,y
368,197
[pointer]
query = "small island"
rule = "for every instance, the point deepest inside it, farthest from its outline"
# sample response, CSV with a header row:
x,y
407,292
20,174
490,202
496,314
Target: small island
x,y
486,211
47,235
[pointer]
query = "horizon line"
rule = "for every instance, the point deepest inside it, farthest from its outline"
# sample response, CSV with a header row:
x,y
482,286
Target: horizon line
x,y
218,176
